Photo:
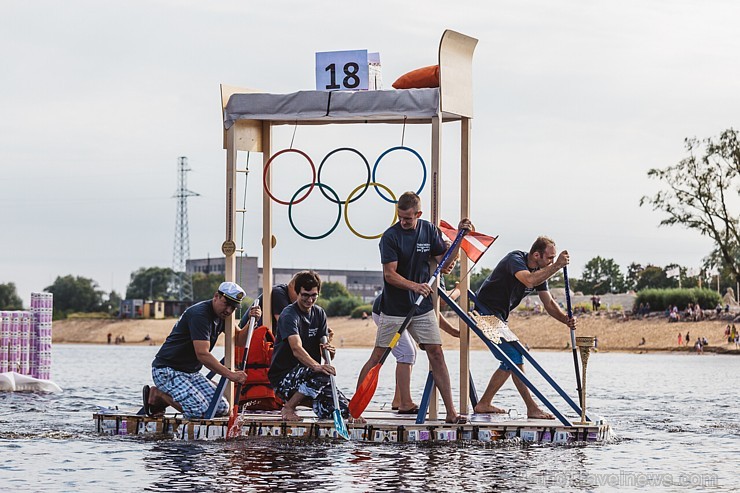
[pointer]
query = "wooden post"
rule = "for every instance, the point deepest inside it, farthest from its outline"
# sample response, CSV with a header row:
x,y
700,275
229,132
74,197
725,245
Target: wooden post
x,y
228,249
465,149
436,205
267,228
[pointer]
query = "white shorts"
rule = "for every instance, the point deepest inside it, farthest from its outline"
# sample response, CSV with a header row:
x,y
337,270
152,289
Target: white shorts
x,y
405,350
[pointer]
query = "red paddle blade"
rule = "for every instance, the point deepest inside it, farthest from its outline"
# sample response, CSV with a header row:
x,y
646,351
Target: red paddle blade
x,y
365,392
232,431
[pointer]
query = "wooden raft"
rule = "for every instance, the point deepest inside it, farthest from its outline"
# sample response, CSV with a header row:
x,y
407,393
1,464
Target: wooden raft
x,y
381,426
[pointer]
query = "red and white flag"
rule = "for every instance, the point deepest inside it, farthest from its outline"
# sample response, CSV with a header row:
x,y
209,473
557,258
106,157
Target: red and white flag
x,y
474,244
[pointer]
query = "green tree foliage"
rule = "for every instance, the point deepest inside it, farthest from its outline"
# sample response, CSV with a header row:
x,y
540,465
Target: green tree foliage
x,y
654,277
359,310
477,278
149,283
113,304
75,294
660,299
330,290
600,276
341,306
9,299
701,191
204,285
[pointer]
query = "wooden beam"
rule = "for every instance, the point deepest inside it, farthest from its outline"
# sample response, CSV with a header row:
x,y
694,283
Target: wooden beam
x,y
267,228
465,150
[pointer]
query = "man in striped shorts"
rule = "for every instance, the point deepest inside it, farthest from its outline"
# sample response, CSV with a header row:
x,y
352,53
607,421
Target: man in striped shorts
x,y
176,367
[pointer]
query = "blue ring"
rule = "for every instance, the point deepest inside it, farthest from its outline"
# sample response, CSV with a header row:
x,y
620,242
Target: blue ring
x,y
290,208
398,148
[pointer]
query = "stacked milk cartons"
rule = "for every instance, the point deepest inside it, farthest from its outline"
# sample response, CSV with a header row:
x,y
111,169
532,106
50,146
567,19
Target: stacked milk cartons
x,y
14,346
4,340
42,306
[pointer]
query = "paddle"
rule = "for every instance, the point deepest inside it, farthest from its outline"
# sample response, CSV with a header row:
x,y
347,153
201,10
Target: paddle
x,y
366,389
339,423
232,430
572,336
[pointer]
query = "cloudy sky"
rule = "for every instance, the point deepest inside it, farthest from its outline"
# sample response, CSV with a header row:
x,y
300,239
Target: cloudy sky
x,y
574,102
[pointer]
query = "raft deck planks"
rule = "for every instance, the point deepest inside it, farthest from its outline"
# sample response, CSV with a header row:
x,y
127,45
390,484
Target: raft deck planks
x,y
381,426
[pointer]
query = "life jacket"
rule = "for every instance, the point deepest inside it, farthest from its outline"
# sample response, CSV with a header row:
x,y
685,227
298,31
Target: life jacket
x,y
257,393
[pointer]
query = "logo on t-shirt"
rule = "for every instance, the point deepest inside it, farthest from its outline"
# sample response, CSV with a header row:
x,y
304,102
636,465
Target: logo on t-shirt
x,y
312,331
423,247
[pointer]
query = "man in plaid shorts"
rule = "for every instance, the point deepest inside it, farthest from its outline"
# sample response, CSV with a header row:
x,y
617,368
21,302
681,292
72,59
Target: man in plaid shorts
x,y
296,372
176,367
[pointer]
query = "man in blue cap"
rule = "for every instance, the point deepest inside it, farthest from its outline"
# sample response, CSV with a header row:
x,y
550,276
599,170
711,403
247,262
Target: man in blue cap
x,y
176,367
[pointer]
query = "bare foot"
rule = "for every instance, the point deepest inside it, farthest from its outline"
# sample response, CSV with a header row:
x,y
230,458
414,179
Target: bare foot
x,y
488,409
289,414
539,414
356,421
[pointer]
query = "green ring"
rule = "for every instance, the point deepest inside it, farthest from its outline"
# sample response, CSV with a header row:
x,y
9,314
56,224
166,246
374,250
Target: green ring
x,y
290,208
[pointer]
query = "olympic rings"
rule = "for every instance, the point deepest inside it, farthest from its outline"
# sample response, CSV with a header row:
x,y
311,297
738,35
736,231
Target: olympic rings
x,y
310,186
346,209
293,201
367,165
353,196
400,148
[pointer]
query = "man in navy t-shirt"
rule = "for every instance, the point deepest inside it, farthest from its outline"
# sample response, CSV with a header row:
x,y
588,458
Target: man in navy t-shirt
x,y
406,249
296,372
517,275
176,367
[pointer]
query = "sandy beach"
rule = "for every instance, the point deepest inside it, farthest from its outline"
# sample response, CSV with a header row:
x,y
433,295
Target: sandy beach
x,y
538,331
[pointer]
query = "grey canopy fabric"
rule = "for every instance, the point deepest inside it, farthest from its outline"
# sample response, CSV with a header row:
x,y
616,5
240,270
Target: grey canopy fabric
x,y
328,107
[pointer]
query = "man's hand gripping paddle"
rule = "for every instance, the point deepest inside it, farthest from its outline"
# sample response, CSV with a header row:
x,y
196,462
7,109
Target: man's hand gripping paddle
x,y
339,423
232,429
366,389
572,336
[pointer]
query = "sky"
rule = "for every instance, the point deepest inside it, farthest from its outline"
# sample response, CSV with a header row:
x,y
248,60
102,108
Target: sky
x,y
574,102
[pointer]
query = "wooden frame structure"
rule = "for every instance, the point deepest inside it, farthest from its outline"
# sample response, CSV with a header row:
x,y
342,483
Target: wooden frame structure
x,y
455,105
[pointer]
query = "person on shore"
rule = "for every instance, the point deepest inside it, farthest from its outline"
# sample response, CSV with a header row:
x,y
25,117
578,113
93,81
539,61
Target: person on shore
x,y
406,249
405,353
296,372
680,339
176,367
687,338
516,276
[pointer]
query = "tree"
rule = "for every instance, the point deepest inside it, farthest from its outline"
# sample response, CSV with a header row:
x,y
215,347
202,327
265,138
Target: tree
x,y
633,275
600,276
655,278
150,283
330,290
204,285
477,278
9,299
701,191
75,294
113,304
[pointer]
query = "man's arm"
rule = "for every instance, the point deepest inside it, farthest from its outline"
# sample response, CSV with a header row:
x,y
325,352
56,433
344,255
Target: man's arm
x,y
203,353
552,308
532,279
240,335
447,268
391,275
305,359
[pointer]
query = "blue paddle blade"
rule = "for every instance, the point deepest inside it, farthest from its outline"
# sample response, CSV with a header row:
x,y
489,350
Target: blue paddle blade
x,y
340,425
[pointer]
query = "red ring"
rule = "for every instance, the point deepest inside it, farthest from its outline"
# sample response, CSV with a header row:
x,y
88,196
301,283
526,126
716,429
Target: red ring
x,y
269,162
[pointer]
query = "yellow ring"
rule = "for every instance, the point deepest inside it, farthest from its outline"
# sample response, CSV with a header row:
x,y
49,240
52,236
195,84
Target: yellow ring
x,y
346,209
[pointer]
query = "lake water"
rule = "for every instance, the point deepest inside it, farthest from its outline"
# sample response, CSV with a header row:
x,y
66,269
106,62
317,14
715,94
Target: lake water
x,y
675,416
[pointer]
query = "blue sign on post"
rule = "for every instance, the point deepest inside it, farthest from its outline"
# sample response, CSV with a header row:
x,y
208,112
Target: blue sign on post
x,y
342,70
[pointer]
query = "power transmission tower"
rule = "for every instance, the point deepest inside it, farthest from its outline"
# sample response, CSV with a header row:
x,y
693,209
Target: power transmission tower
x,y
182,283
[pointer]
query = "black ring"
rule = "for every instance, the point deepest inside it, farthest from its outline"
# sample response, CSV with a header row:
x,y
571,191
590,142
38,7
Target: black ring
x,y
367,182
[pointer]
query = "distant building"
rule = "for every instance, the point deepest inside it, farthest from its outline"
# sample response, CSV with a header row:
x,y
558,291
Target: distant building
x,y
363,283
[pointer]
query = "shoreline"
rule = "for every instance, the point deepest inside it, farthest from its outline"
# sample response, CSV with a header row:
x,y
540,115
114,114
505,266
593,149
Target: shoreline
x,y
540,332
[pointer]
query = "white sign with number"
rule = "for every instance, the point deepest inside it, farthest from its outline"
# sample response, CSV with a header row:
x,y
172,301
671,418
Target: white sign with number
x,y
342,70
